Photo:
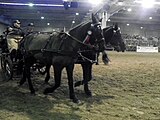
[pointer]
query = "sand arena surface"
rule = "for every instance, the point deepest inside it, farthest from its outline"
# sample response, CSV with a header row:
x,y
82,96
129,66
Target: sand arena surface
x,y
126,89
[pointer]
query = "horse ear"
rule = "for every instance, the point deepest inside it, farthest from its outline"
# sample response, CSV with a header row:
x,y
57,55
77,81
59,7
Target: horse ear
x,y
100,20
94,20
116,26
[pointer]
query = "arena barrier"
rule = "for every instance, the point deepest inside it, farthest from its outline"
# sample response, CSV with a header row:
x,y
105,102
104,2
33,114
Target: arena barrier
x,y
147,49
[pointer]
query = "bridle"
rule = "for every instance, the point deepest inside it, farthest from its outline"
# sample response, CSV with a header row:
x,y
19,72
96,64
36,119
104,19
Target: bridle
x,y
114,33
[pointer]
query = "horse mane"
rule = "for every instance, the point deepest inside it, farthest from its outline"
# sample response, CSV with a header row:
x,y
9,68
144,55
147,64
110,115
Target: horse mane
x,y
77,26
108,28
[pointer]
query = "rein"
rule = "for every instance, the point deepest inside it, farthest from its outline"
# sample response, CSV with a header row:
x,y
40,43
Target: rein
x,y
83,43
91,61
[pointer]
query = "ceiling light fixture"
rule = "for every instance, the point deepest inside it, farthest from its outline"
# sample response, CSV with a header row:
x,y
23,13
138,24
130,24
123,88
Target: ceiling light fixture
x,y
42,17
147,3
77,13
129,9
120,3
73,21
28,4
95,2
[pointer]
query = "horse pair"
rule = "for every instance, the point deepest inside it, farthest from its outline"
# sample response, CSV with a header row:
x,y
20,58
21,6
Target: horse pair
x,y
88,57
60,50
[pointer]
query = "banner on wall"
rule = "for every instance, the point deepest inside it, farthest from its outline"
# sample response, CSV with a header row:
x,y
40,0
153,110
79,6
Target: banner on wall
x,y
147,49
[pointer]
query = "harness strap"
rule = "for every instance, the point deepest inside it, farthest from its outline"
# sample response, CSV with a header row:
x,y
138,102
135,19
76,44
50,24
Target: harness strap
x,y
57,52
86,40
47,43
79,41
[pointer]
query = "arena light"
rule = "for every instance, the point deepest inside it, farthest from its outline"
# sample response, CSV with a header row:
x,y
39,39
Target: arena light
x,y
120,3
42,17
77,13
129,9
95,2
150,18
48,23
147,3
28,4
73,21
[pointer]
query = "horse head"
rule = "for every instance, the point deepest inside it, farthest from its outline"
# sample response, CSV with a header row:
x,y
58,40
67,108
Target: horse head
x,y
89,32
113,37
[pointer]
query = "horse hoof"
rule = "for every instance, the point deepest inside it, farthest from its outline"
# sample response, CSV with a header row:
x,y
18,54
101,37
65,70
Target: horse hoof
x,y
33,92
78,83
47,83
77,101
21,82
47,90
89,94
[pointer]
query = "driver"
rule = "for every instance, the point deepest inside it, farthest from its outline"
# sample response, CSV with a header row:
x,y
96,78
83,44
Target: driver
x,y
14,35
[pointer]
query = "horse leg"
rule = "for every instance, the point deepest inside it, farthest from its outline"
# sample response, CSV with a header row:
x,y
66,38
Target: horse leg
x,y
87,76
27,73
69,70
57,78
97,56
23,80
105,58
20,63
13,55
28,64
48,73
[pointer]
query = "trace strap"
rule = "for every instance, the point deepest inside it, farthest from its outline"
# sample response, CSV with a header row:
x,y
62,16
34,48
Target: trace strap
x,y
91,61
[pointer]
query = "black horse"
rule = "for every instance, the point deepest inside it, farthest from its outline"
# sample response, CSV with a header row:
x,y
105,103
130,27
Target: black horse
x,y
112,36
59,50
87,57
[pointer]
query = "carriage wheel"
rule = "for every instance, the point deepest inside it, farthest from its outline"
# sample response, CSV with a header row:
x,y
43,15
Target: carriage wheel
x,y
2,63
42,70
8,69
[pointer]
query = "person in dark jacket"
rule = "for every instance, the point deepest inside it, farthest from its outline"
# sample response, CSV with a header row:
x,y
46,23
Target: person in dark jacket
x,y
14,35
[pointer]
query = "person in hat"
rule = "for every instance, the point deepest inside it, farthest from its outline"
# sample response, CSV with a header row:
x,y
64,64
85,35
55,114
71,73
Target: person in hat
x,y
14,36
30,28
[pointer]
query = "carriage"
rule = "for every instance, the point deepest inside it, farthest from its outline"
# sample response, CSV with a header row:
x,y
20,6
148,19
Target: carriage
x,y
10,68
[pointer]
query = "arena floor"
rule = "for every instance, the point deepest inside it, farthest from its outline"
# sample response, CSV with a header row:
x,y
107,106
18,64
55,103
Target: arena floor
x,y
126,89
